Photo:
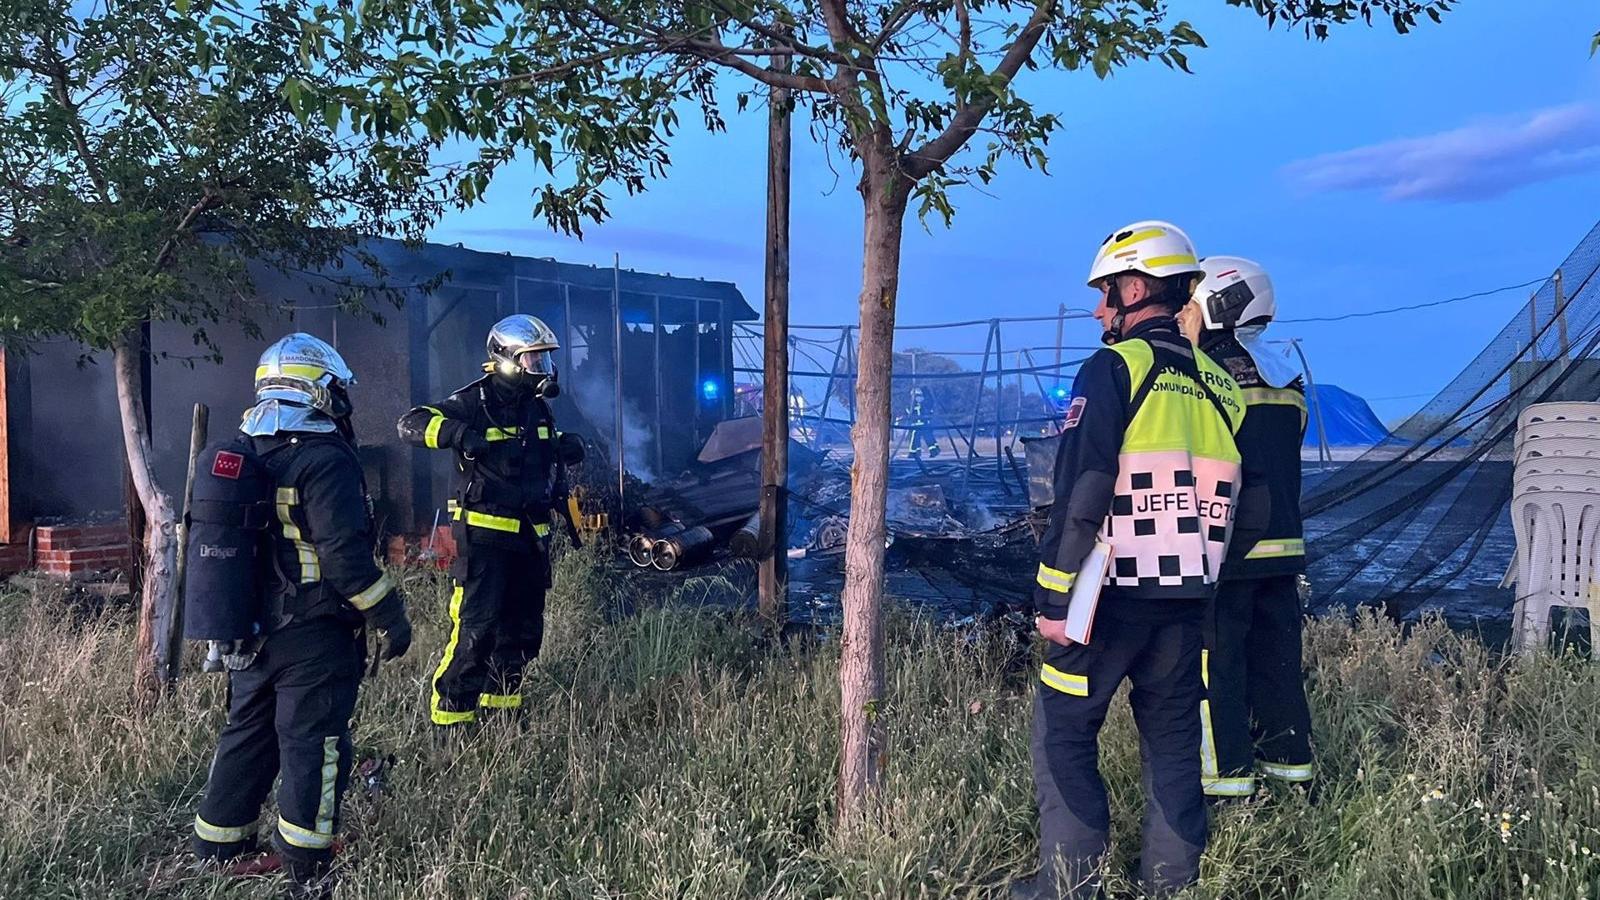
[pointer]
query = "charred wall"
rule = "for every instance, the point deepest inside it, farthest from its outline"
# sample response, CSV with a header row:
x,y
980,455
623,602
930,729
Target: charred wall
x,y
417,353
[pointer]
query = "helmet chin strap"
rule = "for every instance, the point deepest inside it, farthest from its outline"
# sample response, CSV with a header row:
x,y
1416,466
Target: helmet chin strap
x,y
1114,334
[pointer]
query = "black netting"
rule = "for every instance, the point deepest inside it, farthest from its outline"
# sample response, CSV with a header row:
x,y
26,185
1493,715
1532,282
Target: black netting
x,y
1422,520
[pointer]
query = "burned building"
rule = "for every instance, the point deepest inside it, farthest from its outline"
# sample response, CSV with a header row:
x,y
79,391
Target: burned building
x,y
63,443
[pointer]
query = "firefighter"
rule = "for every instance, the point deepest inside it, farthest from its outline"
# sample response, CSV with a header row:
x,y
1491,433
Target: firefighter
x,y
509,464
293,688
1146,463
921,436
1255,716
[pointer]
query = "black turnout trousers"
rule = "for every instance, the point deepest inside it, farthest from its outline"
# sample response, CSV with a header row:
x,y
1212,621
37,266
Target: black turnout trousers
x,y
1162,660
289,716
1258,717
496,628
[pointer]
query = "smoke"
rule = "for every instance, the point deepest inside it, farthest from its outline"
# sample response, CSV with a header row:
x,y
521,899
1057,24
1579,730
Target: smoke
x,y
595,394
636,443
979,517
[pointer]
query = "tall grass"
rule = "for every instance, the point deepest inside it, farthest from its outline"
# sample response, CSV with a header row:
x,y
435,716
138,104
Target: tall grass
x,y
670,753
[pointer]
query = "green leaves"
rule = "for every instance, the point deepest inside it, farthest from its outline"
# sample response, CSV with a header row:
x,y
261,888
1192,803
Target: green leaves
x,y
172,151
1316,17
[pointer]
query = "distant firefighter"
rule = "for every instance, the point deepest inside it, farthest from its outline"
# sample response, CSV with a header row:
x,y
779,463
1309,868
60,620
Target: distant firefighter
x,y
916,418
510,463
290,631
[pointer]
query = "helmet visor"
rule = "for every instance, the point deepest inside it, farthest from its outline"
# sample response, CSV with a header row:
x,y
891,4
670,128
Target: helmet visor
x,y
536,362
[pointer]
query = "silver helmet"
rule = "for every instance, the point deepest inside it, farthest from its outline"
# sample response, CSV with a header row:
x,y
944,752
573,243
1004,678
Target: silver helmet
x,y
522,346
303,369
300,386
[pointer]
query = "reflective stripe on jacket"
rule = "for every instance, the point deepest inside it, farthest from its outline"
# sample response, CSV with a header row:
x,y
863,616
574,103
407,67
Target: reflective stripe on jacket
x,y
506,490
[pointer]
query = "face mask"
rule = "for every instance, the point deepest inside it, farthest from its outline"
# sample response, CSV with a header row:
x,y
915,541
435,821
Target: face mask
x,y
339,402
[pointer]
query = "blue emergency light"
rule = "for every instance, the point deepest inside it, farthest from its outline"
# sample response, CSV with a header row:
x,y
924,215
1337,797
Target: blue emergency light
x,y
1060,393
710,389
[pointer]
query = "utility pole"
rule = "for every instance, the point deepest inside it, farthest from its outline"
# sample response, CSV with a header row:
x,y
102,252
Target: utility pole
x,y
772,574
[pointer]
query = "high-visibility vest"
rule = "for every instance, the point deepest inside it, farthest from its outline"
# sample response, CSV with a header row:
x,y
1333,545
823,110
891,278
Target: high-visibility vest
x,y
1177,473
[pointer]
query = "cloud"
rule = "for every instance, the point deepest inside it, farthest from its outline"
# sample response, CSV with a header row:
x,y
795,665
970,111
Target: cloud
x,y
1478,161
627,239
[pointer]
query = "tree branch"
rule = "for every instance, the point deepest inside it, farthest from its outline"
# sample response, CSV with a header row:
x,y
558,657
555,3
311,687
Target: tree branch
x,y
731,57
893,22
62,92
783,41
713,50
838,20
964,46
933,154
208,201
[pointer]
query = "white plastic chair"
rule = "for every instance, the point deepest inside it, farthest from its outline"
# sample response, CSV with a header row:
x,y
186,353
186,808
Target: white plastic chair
x,y
1558,412
1557,536
1565,428
1529,479
1558,447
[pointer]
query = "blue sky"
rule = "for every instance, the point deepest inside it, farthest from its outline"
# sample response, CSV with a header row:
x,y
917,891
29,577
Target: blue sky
x,y
1367,171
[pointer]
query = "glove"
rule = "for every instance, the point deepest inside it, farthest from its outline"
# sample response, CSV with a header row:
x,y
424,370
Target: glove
x,y
473,443
389,618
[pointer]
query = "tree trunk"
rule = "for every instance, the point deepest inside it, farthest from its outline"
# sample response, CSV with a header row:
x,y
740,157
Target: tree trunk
x,y
885,192
773,571
159,592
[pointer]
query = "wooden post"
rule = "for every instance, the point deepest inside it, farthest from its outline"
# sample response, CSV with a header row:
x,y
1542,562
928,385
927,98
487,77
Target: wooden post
x,y
1533,327
616,369
772,573
169,622
15,426
1561,317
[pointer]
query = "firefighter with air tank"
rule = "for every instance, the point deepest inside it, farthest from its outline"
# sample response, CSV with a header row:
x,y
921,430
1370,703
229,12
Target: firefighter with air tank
x,y
282,580
509,477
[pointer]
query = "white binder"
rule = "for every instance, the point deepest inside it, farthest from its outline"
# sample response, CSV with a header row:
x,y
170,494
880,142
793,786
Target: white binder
x,y
1085,595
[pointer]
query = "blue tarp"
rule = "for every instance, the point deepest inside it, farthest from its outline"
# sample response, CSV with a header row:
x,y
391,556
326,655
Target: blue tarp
x,y
1347,418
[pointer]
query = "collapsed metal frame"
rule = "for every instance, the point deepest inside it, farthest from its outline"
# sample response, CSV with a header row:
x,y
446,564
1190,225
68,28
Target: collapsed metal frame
x,y
833,360
830,361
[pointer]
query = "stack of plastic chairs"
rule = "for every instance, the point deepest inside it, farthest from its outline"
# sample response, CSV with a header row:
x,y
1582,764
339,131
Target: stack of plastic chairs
x,y
1555,509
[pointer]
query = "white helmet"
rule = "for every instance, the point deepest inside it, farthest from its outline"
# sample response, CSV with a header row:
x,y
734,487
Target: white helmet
x,y
1235,293
303,369
522,345
1158,249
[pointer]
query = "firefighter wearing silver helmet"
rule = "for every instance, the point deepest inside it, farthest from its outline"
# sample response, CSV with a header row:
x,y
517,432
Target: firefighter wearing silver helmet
x,y
1146,465
293,683
510,464
522,347
1256,716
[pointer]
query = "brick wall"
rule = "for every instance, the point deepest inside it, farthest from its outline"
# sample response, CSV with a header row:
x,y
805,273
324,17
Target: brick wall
x,y
77,552
13,558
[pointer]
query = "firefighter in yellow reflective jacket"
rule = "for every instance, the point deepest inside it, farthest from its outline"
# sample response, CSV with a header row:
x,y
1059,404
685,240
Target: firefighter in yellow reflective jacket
x,y
1255,715
1147,463
509,459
